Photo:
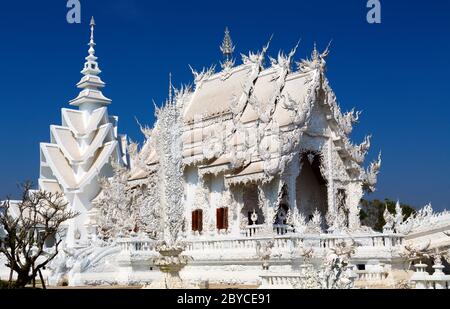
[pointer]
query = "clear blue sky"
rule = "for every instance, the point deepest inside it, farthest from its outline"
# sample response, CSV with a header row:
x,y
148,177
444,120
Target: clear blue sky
x,y
397,73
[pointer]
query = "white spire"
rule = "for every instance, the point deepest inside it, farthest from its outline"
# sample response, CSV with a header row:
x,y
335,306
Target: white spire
x,y
91,65
91,83
227,46
227,49
92,43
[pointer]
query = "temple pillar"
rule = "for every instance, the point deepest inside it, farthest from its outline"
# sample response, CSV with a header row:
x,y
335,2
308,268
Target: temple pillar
x,y
331,194
291,181
236,209
354,195
270,193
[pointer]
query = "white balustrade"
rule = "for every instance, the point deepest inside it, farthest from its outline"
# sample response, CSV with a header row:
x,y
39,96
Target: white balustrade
x,y
282,229
423,280
279,281
289,241
136,244
364,275
253,230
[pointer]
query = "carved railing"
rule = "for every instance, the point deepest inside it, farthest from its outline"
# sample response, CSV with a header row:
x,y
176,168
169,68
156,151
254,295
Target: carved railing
x,y
291,241
271,280
381,240
421,279
253,230
279,281
364,275
136,244
282,229
431,282
326,240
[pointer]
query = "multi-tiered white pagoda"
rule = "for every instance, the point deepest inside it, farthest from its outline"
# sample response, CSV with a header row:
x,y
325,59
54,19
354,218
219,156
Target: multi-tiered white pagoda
x,y
82,148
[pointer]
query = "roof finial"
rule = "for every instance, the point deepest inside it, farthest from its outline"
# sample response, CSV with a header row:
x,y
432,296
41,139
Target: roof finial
x,y
227,46
92,43
91,80
91,65
315,53
170,88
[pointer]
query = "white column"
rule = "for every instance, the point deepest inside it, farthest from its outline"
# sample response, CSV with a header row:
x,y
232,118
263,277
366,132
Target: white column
x,y
291,181
354,194
330,188
238,203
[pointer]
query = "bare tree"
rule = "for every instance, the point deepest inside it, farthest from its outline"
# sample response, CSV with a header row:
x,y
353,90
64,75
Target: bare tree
x,y
28,225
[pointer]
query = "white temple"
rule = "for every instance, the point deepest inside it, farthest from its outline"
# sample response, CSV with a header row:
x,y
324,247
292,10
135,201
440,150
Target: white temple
x,y
252,170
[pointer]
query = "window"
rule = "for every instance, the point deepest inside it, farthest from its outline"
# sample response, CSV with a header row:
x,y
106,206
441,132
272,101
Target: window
x,y
361,266
197,220
50,242
222,218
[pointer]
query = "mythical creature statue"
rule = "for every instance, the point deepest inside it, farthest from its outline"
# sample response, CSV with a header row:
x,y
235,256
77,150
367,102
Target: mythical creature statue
x,y
335,273
264,252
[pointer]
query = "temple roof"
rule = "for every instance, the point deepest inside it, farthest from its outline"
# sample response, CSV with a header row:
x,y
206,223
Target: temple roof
x,y
234,121
214,95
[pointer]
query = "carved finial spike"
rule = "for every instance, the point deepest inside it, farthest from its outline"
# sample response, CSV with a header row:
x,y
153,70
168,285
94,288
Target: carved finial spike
x,y
227,46
268,43
92,25
297,45
170,88
315,53
329,45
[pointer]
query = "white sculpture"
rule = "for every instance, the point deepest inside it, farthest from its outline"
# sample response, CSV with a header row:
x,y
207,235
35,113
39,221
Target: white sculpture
x,y
335,272
264,252
423,219
390,221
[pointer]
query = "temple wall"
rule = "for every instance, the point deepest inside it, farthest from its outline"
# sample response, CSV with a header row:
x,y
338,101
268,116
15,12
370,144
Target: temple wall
x,y
217,188
237,204
191,185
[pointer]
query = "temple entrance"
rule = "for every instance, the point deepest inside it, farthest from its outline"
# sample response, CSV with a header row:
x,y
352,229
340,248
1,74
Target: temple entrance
x,y
251,210
311,186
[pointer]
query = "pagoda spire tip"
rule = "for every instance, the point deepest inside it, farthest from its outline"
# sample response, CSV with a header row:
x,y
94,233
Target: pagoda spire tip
x,y
227,46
